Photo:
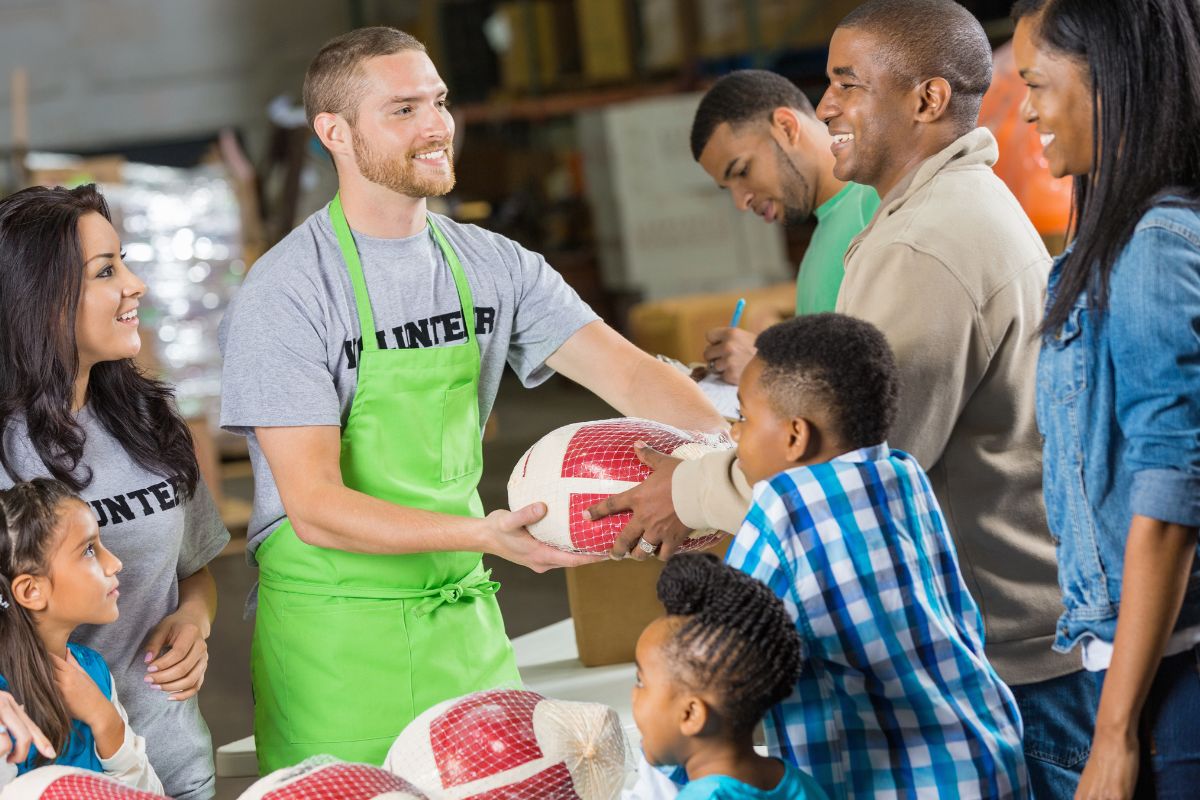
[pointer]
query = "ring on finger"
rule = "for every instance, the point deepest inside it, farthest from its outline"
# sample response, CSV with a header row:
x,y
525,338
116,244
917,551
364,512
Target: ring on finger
x,y
712,365
647,547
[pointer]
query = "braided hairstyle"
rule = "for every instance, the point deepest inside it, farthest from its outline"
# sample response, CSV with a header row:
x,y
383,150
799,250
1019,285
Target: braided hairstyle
x,y
736,640
29,515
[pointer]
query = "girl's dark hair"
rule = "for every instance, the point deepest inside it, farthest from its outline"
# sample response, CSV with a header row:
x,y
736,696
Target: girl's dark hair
x,y
41,277
736,639
1143,61
29,514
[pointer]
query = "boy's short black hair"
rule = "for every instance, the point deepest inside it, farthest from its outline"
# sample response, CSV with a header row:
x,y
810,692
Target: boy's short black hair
x,y
742,96
736,640
840,364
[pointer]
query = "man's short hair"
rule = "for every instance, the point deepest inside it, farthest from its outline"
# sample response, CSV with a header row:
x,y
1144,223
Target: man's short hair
x,y
834,363
334,81
740,97
925,39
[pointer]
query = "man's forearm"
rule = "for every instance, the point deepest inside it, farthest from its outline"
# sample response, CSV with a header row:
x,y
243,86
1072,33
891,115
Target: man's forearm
x,y
341,518
660,392
711,492
633,382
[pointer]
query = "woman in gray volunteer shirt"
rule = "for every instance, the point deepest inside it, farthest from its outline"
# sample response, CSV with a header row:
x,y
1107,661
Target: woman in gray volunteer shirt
x,y
75,407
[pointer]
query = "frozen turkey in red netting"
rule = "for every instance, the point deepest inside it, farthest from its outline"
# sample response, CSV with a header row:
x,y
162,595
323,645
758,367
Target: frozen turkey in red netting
x,y
577,465
513,744
324,777
55,782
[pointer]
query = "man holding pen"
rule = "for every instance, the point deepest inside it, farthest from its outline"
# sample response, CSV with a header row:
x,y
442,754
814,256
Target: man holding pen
x,y
757,135
734,322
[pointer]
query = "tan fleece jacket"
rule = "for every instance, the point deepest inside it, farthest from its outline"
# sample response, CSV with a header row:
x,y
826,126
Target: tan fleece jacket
x,y
954,274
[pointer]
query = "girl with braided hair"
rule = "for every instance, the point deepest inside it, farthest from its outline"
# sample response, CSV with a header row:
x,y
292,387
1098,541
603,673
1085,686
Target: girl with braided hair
x,y
724,653
55,575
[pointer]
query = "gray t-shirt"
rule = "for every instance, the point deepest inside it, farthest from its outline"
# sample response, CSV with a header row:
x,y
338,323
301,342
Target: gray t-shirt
x,y
291,336
160,541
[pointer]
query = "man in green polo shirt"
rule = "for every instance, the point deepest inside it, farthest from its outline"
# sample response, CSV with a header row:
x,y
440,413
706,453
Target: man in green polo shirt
x,y
757,135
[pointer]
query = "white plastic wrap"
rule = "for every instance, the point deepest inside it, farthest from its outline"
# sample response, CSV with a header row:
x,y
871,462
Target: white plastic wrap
x,y
516,745
54,782
577,465
325,778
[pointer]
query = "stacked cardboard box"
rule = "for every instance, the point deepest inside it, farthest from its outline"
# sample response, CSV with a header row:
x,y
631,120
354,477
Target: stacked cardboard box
x,y
612,602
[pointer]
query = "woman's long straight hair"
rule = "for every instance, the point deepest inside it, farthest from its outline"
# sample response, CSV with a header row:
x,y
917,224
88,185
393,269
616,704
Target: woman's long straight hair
x,y
1143,60
41,277
29,514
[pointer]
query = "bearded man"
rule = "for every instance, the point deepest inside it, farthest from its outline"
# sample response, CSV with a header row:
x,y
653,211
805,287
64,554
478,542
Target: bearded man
x,y
361,357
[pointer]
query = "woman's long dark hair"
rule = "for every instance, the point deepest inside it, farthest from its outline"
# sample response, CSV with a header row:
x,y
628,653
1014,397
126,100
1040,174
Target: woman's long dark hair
x,y
29,515
1143,59
41,277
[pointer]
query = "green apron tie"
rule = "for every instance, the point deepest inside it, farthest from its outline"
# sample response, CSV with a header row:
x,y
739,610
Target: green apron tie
x,y
453,592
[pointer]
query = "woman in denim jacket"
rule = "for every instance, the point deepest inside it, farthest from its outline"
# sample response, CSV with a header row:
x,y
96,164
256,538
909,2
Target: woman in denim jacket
x,y
1114,90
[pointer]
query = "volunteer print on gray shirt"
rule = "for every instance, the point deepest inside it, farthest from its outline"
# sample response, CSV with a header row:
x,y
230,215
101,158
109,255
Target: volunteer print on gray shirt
x,y
291,336
161,539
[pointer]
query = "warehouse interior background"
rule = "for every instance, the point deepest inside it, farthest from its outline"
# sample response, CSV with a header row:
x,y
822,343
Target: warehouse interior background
x,y
572,119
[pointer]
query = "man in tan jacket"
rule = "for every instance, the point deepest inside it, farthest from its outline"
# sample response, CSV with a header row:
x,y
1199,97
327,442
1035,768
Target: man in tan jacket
x,y
953,272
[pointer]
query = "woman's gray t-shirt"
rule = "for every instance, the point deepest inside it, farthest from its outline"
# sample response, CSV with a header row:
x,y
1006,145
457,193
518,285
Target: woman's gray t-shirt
x,y
160,540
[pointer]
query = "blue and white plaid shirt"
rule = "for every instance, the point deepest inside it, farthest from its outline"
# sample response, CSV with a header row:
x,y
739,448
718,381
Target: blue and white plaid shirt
x,y
896,699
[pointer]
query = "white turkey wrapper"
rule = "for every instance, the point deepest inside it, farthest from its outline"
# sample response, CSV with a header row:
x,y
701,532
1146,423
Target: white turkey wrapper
x,y
75,783
516,743
323,777
577,465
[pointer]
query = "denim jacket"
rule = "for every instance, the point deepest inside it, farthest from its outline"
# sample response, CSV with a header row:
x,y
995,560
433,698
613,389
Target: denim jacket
x,y
1118,402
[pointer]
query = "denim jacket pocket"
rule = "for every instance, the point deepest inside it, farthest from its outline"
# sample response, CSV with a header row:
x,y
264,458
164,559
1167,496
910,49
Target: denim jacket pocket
x,y
1064,364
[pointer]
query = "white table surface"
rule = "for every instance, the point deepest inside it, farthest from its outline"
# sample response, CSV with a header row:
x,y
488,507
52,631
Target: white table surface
x,y
548,660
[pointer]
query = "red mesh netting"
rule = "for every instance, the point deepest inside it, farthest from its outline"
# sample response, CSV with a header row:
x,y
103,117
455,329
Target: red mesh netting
x,y
323,778
513,744
575,466
70,783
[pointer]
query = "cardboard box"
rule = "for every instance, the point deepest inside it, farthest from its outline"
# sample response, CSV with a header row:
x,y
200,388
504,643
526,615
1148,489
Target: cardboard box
x,y
661,224
612,602
676,326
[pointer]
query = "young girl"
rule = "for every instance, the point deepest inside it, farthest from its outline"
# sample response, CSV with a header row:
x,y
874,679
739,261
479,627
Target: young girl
x,y
55,575
75,407
1114,91
725,652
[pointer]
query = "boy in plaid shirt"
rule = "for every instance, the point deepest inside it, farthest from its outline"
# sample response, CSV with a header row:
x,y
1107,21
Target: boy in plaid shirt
x,y
897,698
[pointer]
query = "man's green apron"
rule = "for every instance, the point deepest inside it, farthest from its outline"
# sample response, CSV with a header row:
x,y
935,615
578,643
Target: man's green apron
x,y
348,647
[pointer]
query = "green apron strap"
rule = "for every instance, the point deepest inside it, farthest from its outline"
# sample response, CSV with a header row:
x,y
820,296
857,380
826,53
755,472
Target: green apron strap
x,y
460,282
341,229
366,319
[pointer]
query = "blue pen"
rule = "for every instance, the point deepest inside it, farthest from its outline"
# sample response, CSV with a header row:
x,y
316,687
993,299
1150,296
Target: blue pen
x,y
737,312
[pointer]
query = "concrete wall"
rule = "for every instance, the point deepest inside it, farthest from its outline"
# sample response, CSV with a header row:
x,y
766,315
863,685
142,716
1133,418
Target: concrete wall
x,y
105,72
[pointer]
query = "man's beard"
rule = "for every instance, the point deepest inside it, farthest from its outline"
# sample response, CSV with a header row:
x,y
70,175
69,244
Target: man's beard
x,y
797,208
401,175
